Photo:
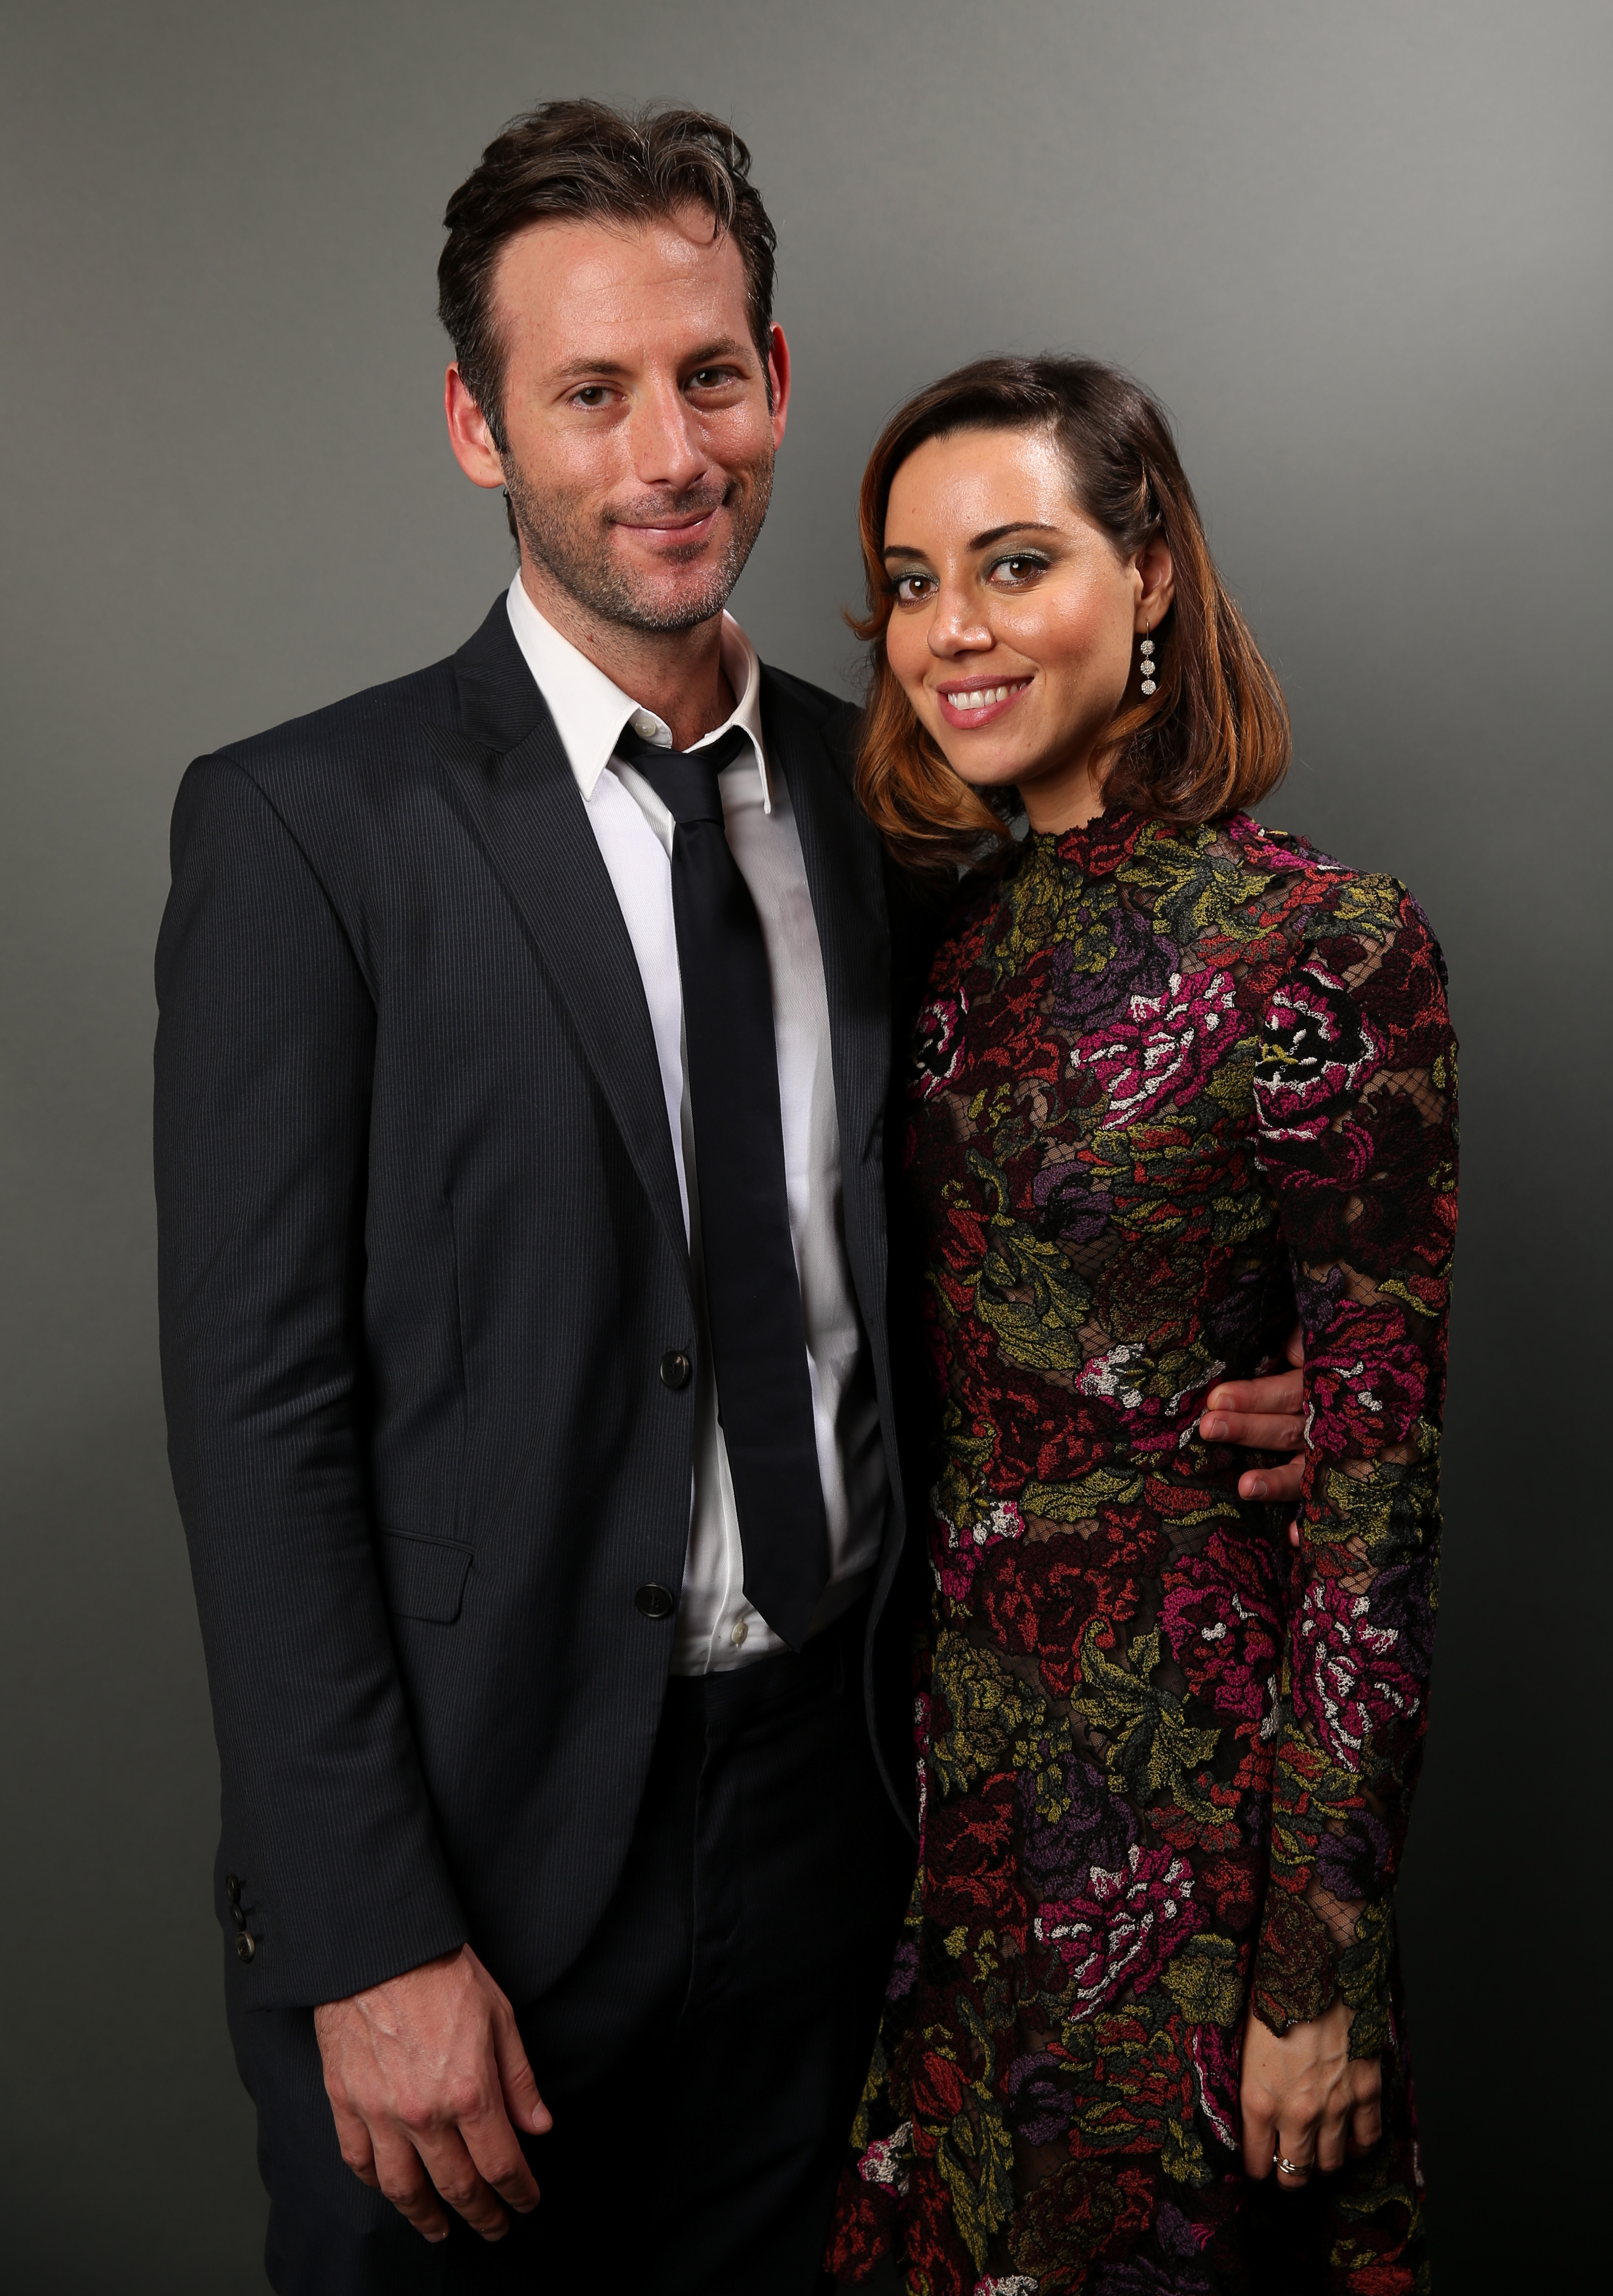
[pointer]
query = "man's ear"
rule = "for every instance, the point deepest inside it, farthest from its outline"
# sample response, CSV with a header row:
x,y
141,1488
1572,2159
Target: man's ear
x,y
469,435
778,382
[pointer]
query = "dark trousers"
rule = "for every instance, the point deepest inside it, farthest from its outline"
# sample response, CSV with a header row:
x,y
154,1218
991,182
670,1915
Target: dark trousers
x,y
704,2056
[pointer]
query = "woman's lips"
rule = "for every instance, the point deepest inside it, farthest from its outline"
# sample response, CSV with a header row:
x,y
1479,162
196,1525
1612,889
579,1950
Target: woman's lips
x,y
960,707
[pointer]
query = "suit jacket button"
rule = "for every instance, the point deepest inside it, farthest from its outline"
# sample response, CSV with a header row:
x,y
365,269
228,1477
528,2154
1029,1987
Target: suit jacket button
x,y
238,1917
231,1887
246,1945
676,1369
655,1602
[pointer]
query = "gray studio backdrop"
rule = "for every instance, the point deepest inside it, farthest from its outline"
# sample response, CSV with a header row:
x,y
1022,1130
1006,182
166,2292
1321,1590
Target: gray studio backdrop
x,y
1362,252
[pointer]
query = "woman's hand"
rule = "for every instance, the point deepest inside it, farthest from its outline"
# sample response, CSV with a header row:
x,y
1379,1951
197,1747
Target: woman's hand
x,y
1306,2099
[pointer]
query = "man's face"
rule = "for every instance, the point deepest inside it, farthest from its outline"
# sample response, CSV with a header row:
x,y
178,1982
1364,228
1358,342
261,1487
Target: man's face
x,y
640,438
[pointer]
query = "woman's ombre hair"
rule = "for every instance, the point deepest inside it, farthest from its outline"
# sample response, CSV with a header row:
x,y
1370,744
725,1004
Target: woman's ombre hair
x,y
1213,738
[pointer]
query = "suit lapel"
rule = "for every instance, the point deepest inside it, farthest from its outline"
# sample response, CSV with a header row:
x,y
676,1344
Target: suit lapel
x,y
846,882
510,781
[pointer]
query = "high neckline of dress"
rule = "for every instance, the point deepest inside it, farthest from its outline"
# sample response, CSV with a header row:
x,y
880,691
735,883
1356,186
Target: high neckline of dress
x,y
1099,847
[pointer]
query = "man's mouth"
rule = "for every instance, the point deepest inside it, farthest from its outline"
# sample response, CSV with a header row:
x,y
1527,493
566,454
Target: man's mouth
x,y
981,703
676,531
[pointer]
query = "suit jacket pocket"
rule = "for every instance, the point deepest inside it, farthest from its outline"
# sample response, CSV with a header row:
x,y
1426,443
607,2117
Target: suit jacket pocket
x,y
423,1578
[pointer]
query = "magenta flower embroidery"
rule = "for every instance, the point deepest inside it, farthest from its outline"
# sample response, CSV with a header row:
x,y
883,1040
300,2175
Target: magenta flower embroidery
x,y
937,1040
1351,1682
1220,1616
1163,1054
1321,1049
1123,1927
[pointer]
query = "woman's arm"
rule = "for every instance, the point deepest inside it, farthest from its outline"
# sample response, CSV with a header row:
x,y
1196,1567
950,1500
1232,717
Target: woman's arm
x,y
1355,1099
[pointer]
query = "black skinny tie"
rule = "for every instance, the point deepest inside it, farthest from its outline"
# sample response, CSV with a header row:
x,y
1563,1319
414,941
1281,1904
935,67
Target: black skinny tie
x,y
753,1293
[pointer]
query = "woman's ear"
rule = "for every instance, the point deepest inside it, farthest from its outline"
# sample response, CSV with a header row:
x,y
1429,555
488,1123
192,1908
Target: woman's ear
x,y
1157,576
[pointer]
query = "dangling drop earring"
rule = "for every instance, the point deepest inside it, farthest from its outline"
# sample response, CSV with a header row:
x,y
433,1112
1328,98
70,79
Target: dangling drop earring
x,y
1147,663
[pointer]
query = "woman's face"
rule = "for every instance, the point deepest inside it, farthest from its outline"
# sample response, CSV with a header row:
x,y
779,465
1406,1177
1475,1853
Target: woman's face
x,y
1016,626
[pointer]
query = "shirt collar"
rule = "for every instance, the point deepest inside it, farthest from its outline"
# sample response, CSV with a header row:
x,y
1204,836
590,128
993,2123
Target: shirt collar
x,y
589,710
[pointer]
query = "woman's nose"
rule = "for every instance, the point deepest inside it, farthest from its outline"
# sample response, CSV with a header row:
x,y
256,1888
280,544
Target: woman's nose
x,y
957,626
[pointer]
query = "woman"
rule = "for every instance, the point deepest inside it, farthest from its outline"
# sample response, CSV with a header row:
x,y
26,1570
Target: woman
x,y
1179,1075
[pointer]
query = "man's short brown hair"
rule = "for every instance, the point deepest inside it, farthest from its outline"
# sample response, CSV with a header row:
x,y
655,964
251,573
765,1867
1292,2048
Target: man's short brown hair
x,y
586,162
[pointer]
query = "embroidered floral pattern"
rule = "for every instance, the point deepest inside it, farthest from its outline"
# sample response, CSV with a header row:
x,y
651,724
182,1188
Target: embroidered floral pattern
x,y
1172,1086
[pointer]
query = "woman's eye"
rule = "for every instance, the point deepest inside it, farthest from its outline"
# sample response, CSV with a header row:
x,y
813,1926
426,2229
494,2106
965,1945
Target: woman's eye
x,y
911,588
1017,570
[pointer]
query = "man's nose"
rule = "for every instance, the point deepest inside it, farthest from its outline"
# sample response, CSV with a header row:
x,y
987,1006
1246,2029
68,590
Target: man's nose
x,y
669,445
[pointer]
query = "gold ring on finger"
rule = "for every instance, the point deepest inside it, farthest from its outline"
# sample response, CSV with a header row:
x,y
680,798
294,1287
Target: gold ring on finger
x,y
1287,2168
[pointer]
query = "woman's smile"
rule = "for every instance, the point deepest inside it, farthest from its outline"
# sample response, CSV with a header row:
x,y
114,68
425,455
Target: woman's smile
x,y
979,701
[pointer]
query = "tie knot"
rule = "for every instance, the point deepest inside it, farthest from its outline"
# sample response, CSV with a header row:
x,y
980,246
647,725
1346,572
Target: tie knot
x,y
686,780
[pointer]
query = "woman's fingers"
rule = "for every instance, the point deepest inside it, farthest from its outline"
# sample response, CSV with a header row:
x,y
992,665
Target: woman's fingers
x,y
1366,2115
1259,2135
1295,2148
1331,2130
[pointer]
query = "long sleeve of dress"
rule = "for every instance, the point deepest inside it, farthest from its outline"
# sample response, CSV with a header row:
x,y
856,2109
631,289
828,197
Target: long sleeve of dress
x,y
1355,1099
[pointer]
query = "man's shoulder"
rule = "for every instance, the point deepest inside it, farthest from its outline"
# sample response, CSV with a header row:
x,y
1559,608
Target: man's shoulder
x,y
835,718
376,724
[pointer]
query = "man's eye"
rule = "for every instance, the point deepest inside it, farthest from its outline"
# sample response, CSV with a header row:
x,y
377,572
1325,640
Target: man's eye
x,y
592,394
712,378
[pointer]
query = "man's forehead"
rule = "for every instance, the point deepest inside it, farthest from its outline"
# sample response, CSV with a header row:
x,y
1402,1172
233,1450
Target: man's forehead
x,y
559,271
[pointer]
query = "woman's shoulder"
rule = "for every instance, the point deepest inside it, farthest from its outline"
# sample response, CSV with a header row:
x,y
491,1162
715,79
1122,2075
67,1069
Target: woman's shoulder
x,y
1319,896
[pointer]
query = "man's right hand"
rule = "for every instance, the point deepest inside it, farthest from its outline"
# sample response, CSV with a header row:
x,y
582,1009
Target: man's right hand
x,y
1264,1414
426,2075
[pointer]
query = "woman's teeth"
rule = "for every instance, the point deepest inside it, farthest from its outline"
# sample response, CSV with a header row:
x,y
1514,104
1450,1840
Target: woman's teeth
x,y
981,697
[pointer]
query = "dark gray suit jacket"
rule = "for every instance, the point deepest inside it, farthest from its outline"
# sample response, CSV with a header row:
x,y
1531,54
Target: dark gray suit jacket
x,y
421,1256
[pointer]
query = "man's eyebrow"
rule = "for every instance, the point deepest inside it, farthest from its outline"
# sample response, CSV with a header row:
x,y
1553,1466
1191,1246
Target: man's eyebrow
x,y
977,541
722,346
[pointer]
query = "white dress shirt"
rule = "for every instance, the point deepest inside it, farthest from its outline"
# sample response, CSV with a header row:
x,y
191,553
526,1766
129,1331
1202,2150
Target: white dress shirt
x,y
716,1627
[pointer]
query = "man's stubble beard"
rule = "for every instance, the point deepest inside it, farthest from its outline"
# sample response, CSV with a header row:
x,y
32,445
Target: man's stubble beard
x,y
573,546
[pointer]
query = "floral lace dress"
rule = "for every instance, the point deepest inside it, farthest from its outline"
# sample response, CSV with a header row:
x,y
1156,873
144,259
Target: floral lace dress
x,y
1173,1084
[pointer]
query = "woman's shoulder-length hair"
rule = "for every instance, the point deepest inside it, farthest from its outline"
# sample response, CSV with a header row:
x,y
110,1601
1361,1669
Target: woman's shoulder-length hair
x,y
1213,738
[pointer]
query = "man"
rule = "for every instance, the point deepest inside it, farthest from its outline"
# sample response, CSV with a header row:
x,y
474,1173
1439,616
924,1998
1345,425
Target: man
x,y
528,1077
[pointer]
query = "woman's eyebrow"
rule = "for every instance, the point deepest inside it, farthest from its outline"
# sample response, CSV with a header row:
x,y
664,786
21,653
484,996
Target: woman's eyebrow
x,y
978,541
1016,526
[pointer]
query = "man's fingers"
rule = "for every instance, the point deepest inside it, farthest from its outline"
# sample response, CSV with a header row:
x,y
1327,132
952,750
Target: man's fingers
x,y
518,2081
1282,1394
450,2167
354,2139
492,2146
1276,1485
1255,1430
401,2175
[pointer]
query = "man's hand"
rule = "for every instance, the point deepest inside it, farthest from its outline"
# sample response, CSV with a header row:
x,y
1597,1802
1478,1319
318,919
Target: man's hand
x,y
425,2075
1264,1414
1306,2099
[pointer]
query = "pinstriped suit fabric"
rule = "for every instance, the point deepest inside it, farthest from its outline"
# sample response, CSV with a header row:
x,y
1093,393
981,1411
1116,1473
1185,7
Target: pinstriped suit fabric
x,y
421,1255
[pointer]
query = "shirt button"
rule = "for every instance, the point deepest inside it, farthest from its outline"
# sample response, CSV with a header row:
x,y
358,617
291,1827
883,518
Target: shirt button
x,y
644,725
676,1369
655,1602
740,1631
